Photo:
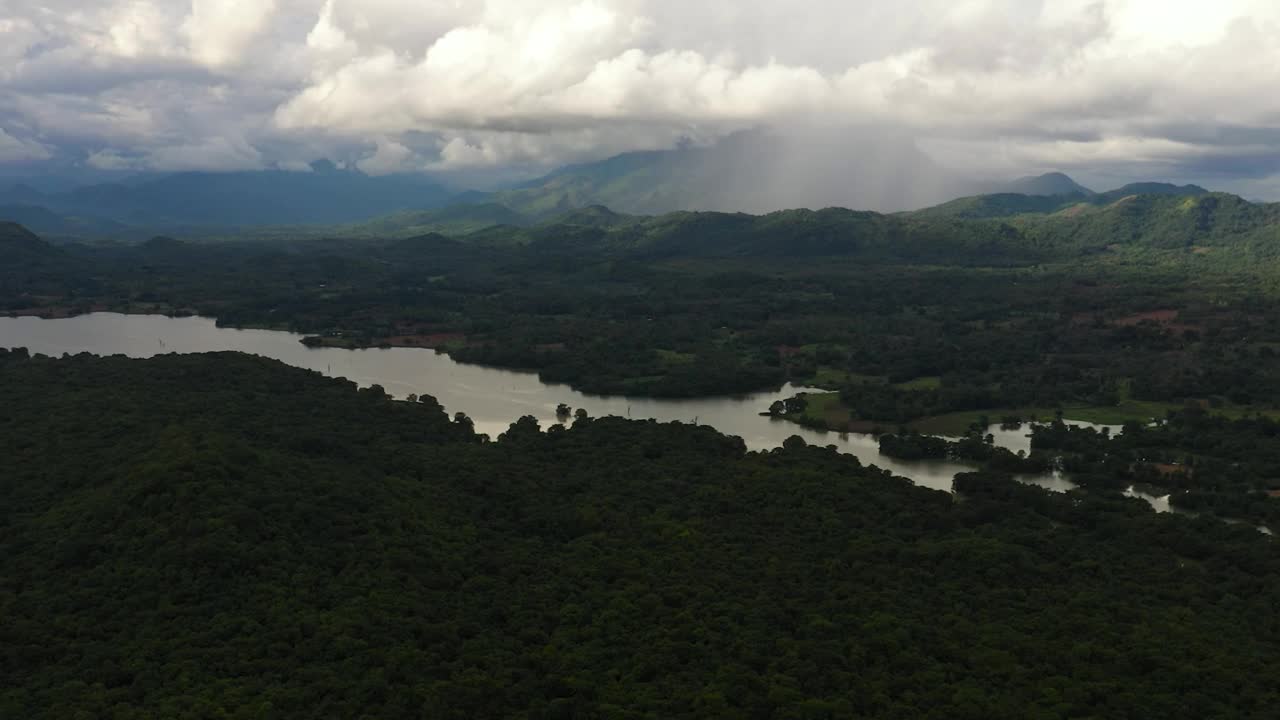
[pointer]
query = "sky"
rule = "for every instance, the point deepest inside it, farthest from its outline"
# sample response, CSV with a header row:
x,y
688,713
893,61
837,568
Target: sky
x,y
1106,90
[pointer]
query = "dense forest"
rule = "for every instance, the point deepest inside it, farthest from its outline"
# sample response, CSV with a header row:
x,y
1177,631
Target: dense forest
x,y
1207,463
1114,311
223,536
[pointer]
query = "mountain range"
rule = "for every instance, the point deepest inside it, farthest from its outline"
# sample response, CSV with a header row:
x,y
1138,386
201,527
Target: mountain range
x,y
998,229
761,172
751,172
325,195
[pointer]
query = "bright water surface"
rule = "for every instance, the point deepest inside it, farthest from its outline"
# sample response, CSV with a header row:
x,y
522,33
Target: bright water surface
x,y
492,398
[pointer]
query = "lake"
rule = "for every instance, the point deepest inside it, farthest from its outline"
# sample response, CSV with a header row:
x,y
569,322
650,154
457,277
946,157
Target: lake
x,y
491,397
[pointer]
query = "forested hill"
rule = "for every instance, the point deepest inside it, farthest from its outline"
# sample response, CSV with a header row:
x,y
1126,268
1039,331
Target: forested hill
x,y
991,229
223,536
21,249
16,237
1002,228
985,230
1009,203
1204,223
600,231
1164,218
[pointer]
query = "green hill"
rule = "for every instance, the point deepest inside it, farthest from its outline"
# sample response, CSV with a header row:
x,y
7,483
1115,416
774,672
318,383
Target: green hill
x,y
15,238
1144,216
1049,184
1000,205
1148,188
1166,222
451,220
986,229
19,247
794,234
29,267
50,223
1021,201
596,216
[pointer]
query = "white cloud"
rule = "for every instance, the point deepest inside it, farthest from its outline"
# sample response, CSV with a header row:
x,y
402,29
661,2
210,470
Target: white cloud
x,y
220,30
13,149
390,157
513,81
1067,68
217,153
109,159
137,29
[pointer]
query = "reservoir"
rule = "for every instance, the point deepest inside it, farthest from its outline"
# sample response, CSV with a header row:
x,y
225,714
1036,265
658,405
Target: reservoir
x,y
491,397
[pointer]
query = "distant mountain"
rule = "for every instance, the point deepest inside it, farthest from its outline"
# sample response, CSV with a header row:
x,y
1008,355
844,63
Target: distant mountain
x,y
324,196
21,249
23,194
874,237
473,220
758,171
999,205
15,237
1200,222
1007,204
1150,188
596,216
992,229
1049,184
765,171
54,224
451,220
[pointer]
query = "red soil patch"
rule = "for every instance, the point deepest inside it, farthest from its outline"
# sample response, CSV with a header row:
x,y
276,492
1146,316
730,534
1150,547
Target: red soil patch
x,y
1160,317
1170,469
1163,318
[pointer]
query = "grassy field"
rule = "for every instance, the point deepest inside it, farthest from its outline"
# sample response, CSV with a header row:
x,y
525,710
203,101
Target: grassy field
x,y
829,378
826,407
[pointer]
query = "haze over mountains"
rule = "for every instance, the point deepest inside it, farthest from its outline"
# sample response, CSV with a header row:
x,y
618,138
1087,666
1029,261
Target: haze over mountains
x,y
752,172
324,195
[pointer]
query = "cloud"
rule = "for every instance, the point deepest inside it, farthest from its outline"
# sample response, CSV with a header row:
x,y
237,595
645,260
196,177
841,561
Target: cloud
x,y
996,84
219,31
216,154
390,157
219,153
109,159
14,150
1039,74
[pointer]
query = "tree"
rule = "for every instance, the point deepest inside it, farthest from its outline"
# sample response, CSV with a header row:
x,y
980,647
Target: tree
x,y
795,442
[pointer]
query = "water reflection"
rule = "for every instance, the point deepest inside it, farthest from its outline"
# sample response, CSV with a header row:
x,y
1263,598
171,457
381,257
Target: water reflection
x,y
491,397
